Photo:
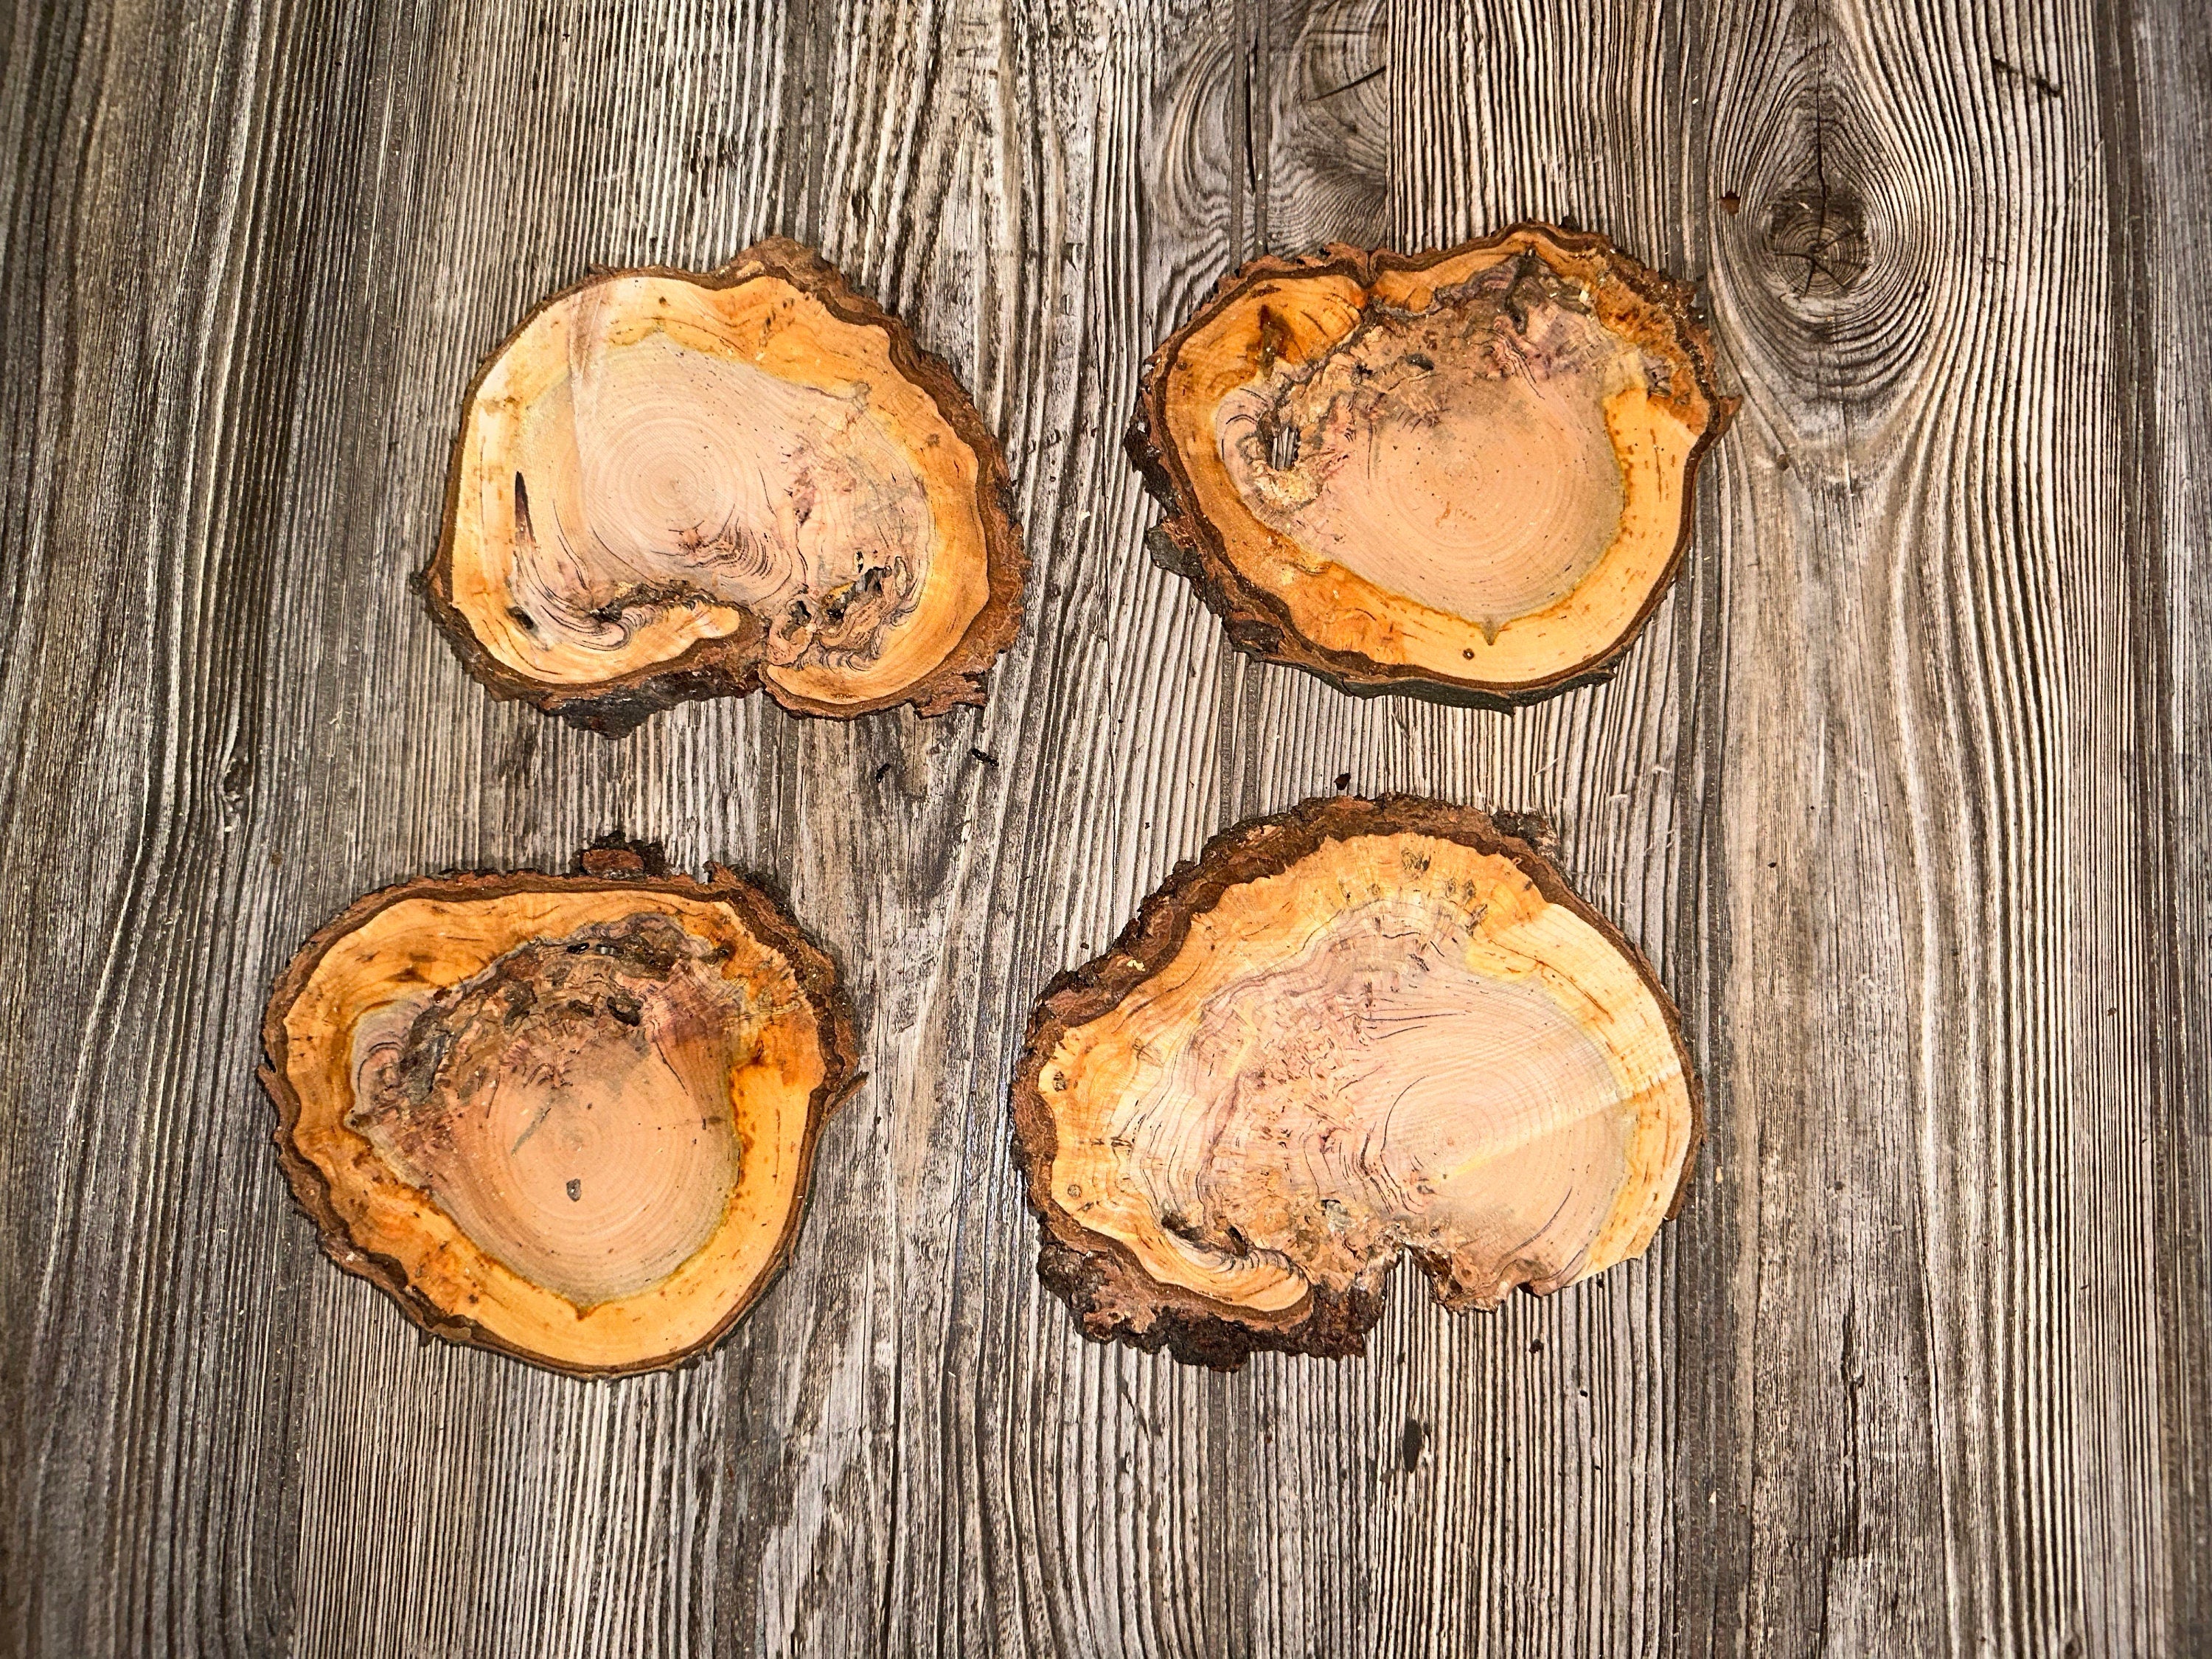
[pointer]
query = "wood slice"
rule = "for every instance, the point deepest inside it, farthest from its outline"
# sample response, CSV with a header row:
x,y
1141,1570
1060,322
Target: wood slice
x,y
569,1118
669,485
1469,470
1356,1030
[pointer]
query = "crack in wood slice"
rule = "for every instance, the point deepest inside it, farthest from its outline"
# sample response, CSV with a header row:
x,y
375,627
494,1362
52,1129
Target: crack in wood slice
x,y
671,485
568,1118
1353,1031
1467,470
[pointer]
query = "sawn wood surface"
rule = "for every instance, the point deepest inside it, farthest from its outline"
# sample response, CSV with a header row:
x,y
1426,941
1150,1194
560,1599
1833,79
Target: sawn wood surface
x,y
1903,791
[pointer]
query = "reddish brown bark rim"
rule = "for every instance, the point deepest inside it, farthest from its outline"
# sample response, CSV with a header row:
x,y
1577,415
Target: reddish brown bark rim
x,y
1256,620
728,667
761,916
1074,1261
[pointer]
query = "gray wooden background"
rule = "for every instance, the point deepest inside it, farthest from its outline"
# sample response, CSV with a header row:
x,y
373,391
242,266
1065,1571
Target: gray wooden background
x,y
1905,790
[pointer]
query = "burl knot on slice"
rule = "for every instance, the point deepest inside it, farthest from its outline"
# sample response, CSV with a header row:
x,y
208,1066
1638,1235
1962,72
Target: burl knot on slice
x,y
1358,1030
669,485
1467,470
570,1118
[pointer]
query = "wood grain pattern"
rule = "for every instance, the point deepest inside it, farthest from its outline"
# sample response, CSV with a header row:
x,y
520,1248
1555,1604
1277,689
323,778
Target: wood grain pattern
x,y
1903,792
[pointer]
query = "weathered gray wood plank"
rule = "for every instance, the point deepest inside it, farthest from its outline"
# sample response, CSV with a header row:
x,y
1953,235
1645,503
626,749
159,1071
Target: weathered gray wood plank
x,y
1902,790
